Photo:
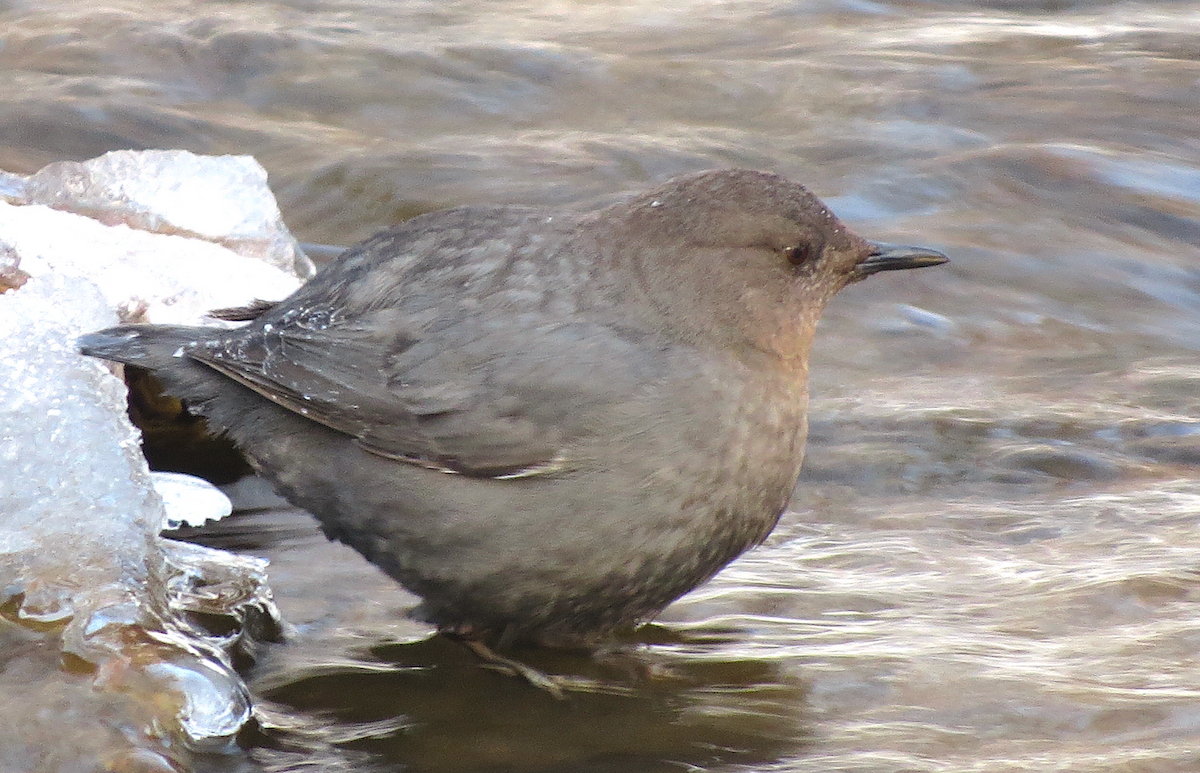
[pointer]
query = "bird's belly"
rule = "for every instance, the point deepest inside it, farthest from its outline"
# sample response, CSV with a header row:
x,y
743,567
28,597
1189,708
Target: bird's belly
x,y
563,558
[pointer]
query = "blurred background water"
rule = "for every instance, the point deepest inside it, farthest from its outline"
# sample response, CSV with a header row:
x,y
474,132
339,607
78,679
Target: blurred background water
x,y
991,559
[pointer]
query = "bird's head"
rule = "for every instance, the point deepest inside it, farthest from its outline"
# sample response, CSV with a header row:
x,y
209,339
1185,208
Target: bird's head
x,y
745,258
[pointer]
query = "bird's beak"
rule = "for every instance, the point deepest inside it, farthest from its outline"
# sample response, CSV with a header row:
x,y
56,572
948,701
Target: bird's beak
x,y
893,257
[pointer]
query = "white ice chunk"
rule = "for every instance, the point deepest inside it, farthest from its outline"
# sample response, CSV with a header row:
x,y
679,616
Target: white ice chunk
x,y
146,276
73,469
218,198
79,515
189,501
79,522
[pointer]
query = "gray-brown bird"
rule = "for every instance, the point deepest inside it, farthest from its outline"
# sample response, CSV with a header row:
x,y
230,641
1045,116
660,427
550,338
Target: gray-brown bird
x,y
548,425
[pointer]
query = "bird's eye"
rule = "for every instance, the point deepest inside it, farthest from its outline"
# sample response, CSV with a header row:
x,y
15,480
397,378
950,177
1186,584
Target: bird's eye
x,y
800,254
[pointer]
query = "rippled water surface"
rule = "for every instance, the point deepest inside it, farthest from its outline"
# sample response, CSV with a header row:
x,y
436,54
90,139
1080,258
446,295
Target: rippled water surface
x,y
991,560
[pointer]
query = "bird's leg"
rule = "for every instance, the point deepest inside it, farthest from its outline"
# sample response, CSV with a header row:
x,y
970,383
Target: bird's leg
x,y
493,659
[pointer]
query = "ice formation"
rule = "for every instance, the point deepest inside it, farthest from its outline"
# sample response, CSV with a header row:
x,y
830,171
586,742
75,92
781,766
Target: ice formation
x,y
144,276
223,199
188,500
83,570
71,464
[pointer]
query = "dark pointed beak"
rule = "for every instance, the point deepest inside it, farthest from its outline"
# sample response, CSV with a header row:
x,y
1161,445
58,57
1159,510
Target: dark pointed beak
x,y
893,257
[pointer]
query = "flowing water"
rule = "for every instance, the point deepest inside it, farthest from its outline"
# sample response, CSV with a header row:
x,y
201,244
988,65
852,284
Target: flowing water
x,y
991,561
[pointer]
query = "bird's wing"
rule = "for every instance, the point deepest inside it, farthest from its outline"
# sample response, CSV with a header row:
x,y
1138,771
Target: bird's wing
x,y
478,396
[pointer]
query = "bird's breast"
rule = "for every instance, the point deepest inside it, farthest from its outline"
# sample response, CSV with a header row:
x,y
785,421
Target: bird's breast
x,y
726,447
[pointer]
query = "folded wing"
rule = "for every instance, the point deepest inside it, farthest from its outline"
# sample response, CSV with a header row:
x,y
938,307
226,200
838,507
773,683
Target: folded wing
x,y
480,395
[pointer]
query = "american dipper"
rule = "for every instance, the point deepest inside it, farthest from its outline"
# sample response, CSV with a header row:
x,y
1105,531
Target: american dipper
x,y
548,425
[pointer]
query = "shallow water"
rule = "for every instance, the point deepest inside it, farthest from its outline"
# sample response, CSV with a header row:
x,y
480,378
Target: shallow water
x,y
991,558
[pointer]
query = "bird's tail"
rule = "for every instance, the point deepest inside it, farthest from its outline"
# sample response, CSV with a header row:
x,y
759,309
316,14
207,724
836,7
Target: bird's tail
x,y
162,349
153,347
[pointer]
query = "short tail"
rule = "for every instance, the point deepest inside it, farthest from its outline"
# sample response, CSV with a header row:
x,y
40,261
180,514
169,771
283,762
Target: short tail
x,y
153,347
162,349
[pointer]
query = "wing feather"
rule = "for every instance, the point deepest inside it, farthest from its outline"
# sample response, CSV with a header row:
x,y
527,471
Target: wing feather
x,y
474,398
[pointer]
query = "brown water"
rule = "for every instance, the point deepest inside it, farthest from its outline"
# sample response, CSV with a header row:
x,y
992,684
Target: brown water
x,y
991,560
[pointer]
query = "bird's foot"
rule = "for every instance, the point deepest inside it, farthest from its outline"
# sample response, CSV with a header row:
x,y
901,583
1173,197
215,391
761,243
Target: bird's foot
x,y
494,660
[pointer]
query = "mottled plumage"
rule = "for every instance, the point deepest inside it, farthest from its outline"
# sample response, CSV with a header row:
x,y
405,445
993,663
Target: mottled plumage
x,y
546,424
